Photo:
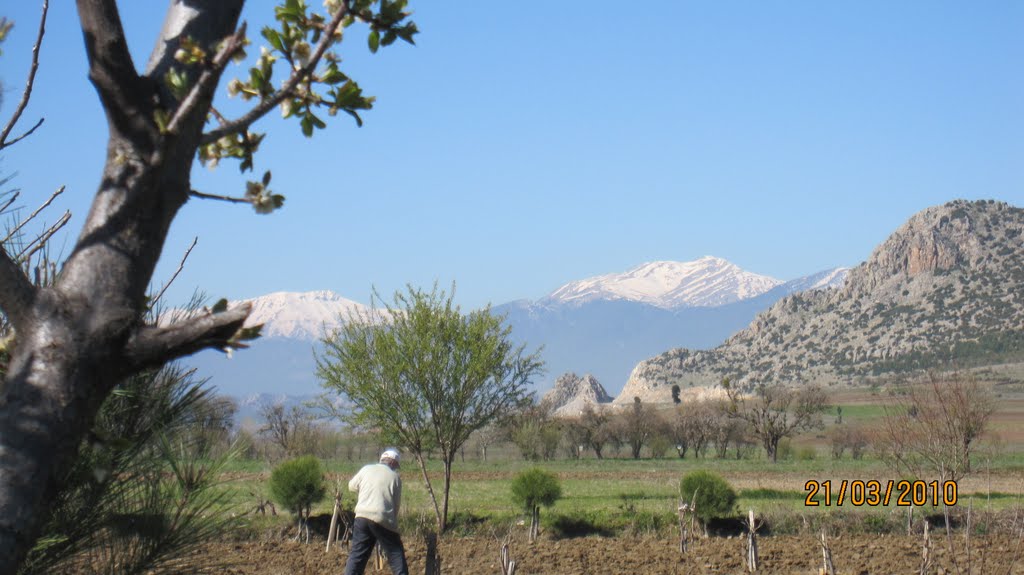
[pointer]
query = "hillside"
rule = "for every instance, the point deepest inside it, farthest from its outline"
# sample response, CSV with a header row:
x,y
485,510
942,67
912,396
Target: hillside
x,y
945,289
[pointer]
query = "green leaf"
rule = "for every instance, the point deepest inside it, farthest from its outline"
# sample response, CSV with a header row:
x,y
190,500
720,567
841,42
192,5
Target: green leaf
x,y
220,306
374,40
333,75
162,118
354,114
266,178
274,38
407,32
307,125
389,38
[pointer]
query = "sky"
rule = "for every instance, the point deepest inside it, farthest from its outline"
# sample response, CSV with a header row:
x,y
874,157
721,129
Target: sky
x,y
518,147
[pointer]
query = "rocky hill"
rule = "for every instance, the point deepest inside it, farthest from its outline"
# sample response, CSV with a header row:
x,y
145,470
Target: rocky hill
x,y
946,289
572,393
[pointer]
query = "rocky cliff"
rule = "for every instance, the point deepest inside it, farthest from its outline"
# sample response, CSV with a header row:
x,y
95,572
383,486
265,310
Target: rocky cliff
x,y
946,289
572,393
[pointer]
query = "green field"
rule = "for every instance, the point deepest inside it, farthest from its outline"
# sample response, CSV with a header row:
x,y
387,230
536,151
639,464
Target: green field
x,y
626,494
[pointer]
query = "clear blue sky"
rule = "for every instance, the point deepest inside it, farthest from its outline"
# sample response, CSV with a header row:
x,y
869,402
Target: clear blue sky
x,y
521,146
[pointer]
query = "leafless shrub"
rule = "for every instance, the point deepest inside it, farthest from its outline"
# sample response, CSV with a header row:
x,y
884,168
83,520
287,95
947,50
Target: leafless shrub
x,y
932,429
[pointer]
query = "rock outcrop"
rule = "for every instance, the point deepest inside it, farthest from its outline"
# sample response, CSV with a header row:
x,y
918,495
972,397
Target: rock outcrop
x,y
571,394
945,289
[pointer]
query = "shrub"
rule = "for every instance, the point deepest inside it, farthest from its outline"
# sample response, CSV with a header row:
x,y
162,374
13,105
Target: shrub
x,y
715,497
533,488
297,484
806,454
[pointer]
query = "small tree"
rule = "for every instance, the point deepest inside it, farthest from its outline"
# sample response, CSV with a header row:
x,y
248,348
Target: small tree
x,y
775,411
427,376
297,484
532,489
638,425
599,433
714,496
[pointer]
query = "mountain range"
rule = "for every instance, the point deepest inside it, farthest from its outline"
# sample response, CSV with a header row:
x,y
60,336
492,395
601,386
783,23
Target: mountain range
x,y
945,290
603,325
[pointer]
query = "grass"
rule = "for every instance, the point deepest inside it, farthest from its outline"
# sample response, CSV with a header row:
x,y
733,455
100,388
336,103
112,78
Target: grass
x,y
625,495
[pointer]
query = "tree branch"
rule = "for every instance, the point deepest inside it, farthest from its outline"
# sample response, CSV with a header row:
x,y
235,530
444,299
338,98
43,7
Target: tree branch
x,y
33,215
23,136
231,199
242,124
111,69
16,291
174,276
38,243
152,346
7,204
207,81
27,94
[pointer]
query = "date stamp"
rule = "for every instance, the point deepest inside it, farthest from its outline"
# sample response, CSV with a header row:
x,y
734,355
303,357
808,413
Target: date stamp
x,y
903,493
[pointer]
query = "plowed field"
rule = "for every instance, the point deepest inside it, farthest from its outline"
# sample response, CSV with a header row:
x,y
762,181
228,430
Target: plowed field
x,y
854,554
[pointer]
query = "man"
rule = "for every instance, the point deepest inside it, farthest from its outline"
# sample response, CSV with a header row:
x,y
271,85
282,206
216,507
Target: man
x,y
380,494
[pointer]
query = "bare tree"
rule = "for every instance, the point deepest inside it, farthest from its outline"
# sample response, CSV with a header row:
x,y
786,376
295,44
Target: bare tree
x,y
775,411
637,425
935,425
77,338
284,426
595,420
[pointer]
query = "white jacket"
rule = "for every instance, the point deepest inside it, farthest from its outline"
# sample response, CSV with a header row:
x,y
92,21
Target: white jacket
x,y
380,494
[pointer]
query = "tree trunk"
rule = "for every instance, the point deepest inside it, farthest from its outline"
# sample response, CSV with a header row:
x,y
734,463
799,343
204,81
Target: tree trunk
x,y
771,448
430,490
79,338
534,522
447,489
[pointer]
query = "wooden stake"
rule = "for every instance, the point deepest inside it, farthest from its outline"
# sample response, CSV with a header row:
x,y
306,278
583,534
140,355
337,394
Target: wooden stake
x,y
827,568
926,552
683,533
751,543
332,533
508,566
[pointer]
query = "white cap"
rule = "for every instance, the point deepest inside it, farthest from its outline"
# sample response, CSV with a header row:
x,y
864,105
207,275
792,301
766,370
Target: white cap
x,y
390,453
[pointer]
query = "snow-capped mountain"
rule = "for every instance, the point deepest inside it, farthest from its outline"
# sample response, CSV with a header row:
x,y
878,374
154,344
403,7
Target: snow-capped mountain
x,y
822,280
304,316
602,325
706,282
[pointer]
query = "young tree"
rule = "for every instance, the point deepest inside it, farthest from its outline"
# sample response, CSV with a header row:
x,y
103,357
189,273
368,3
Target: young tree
x,y
933,428
427,376
76,339
532,489
145,489
297,484
775,411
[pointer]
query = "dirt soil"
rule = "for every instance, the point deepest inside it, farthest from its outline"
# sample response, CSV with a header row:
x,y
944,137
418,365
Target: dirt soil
x,y
852,554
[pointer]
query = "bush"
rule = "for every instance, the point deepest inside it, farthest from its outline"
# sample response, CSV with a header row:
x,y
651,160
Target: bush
x,y
715,497
298,483
806,454
533,488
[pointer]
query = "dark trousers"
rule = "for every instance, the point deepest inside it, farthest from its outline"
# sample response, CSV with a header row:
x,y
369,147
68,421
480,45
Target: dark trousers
x,y
364,534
